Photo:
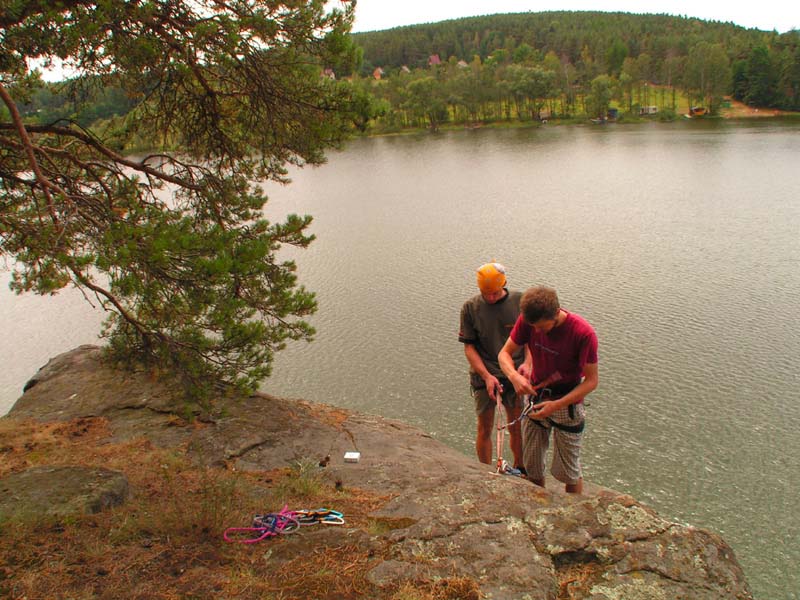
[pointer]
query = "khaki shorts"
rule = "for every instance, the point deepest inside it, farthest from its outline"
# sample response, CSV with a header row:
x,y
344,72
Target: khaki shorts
x,y
482,400
566,465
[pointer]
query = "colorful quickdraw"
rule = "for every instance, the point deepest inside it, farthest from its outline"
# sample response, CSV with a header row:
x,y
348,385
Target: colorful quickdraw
x,y
326,516
542,393
285,521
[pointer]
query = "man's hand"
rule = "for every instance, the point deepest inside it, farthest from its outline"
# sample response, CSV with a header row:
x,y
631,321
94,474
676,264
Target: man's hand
x,y
525,370
522,384
494,387
542,410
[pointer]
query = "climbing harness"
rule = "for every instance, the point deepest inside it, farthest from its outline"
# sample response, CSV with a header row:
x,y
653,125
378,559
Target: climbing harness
x,y
578,428
264,526
542,392
279,523
547,394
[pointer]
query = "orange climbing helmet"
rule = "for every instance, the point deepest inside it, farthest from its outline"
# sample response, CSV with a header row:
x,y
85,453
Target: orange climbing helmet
x,y
491,277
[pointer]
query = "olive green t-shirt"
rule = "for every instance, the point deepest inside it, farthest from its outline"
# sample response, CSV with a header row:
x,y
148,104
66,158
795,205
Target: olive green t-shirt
x,y
486,326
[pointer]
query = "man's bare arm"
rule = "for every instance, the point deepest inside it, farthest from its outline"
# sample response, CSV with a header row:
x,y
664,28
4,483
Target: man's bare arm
x,y
521,383
476,363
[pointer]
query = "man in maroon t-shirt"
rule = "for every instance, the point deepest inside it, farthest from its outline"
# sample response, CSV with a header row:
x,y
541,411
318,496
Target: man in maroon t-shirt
x,y
563,347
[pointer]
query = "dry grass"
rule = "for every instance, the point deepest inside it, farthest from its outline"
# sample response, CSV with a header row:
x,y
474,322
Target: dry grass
x,y
738,110
452,588
576,581
166,542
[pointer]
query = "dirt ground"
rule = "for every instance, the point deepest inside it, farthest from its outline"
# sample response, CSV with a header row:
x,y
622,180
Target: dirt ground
x,y
166,541
740,110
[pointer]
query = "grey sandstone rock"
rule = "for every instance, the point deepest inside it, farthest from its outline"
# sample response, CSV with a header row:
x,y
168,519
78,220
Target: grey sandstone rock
x,y
61,491
447,515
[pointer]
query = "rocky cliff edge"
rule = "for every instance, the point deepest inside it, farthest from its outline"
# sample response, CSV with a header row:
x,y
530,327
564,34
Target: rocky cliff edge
x,y
444,516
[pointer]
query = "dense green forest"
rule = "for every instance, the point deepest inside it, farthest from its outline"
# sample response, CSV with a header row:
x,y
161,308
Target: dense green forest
x,y
572,64
88,103
528,66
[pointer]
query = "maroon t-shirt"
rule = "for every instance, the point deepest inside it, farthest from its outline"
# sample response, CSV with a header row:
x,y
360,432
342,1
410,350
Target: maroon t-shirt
x,y
565,349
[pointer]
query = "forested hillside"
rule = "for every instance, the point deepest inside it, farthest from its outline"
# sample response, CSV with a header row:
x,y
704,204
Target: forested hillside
x,y
85,104
529,66
569,34
579,62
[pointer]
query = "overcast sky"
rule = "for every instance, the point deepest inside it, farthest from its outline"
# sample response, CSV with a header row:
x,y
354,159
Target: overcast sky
x,y
782,15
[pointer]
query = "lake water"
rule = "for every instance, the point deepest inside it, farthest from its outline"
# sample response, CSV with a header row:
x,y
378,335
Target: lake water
x,y
679,242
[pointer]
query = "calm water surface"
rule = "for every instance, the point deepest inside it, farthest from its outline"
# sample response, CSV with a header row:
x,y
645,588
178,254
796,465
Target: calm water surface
x,y
680,243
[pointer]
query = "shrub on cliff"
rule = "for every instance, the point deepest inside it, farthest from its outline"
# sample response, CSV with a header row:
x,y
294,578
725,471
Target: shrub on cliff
x,y
174,245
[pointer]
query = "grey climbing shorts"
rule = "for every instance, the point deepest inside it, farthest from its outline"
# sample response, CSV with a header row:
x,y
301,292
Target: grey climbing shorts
x,y
566,465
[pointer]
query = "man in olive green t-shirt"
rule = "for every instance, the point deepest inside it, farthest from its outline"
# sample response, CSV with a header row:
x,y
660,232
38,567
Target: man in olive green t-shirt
x,y
486,321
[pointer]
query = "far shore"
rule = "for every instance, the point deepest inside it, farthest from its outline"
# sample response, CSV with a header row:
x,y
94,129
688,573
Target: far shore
x,y
736,111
